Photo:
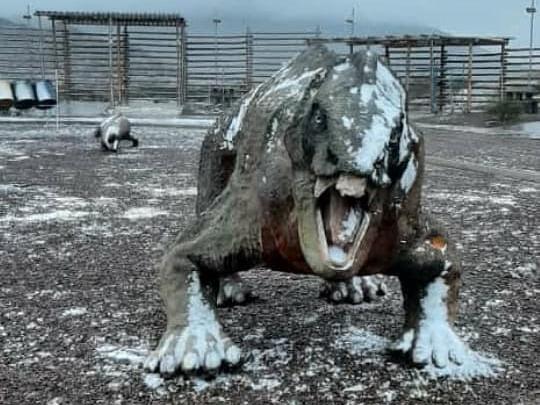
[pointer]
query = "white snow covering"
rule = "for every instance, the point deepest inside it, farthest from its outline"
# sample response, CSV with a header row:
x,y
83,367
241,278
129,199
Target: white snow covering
x,y
387,96
173,192
266,384
437,342
475,196
238,120
343,66
132,356
293,85
404,343
409,175
358,341
348,225
153,381
202,342
347,122
77,311
143,213
58,215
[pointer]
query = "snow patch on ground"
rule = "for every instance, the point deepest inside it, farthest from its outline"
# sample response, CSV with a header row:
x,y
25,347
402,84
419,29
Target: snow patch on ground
x,y
474,197
143,213
153,381
76,311
131,356
58,215
356,341
525,270
173,192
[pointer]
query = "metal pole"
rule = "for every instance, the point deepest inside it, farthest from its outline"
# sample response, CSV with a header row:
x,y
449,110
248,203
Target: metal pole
x,y
531,10
351,33
216,22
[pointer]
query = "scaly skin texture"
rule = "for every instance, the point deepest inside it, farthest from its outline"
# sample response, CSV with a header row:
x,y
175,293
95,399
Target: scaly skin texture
x,y
321,150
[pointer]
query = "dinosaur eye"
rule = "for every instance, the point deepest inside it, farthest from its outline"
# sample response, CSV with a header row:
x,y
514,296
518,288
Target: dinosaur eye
x,y
318,119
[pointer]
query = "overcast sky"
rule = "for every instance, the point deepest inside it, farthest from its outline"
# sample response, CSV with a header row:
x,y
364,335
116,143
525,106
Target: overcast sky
x,y
480,17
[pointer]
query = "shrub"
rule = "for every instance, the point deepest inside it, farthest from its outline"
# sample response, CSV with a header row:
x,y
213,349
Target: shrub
x,y
506,111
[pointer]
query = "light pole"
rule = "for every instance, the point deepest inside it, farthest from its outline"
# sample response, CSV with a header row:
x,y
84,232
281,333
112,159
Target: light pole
x,y
531,10
351,22
216,22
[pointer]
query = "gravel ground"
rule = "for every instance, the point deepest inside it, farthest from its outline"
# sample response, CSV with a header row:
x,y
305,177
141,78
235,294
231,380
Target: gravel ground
x,y
82,231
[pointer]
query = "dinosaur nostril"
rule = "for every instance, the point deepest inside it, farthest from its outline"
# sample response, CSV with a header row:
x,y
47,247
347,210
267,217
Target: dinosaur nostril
x,y
331,157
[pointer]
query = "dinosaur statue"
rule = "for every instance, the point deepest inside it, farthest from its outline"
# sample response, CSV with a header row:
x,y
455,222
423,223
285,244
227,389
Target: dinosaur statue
x,y
317,171
112,130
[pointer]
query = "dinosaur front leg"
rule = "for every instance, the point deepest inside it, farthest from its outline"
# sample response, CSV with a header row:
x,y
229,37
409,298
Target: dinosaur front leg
x,y
194,338
430,282
354,290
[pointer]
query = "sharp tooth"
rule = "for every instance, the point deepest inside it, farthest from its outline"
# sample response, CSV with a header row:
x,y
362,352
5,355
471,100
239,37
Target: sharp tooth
x,y
322,184
351,186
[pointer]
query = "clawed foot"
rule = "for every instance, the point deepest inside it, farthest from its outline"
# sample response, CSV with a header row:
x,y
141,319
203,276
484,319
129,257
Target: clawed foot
x,y
192,349
198,343
443,354
432,345
354,290
233,291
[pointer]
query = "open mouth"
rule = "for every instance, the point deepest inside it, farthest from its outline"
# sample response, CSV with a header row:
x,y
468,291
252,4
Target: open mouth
x,y
342,218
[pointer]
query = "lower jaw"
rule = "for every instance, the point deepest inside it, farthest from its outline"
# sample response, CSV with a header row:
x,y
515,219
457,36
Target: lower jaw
x,y
346,263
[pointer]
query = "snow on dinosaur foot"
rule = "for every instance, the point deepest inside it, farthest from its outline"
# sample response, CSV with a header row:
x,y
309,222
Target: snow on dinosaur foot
x,y
435,345
199,346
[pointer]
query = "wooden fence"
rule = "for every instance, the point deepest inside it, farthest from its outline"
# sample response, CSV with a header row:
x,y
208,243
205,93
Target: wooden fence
x,y
165,63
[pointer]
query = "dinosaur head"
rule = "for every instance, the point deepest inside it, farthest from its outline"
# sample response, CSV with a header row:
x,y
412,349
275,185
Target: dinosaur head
x,y
340,126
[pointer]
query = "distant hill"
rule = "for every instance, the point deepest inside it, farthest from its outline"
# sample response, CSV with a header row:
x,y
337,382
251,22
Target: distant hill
x,y
235,25
5,22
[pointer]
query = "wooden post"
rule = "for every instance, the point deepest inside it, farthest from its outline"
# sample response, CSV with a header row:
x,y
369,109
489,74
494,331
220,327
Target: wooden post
x,y
469,79
125,65
408,69
184,63
249,60
178,65
67,61
118,66
503,72
442,79
387,54
432,78
42,57
111,83
54,45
